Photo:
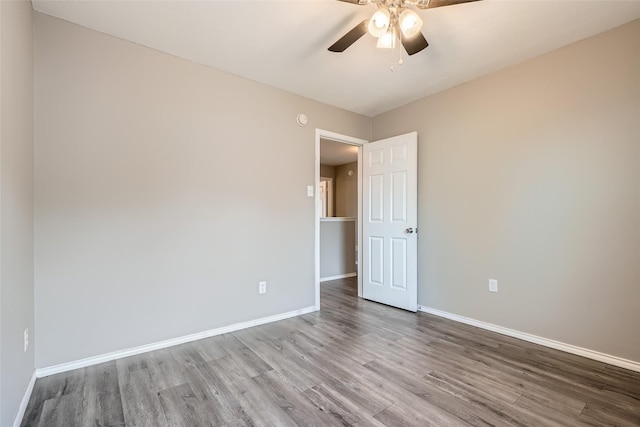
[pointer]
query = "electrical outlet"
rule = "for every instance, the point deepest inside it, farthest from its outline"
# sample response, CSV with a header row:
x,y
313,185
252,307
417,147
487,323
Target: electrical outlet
x,y
26,339
262,287
493,285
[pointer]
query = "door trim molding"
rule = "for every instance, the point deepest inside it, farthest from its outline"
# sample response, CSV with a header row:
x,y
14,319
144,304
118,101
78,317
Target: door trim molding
x,y
557,345
326,134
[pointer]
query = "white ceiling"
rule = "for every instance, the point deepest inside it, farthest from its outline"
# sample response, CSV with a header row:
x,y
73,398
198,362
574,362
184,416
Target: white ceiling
x,y
334,153
284,43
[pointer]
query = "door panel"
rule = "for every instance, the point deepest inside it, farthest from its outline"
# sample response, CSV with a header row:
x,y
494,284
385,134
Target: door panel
x,y
376,198
399,196
376,260
376,157
390,175
399,263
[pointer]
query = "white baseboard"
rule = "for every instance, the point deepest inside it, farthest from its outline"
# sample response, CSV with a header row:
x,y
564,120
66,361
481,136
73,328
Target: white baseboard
x,y
584,352
25,401
339,276
89,361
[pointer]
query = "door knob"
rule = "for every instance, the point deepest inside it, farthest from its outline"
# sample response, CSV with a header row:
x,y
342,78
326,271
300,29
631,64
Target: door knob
x,y
409,230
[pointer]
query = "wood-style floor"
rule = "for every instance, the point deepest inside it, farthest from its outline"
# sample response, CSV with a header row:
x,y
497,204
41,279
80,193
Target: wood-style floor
x,y
353,363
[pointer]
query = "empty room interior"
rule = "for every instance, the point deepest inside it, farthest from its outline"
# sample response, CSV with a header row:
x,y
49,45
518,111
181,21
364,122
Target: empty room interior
x,y
374,212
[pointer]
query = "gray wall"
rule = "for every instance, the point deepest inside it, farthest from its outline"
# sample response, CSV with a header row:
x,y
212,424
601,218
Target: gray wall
x,y
346,191
531,176
16,204
160,194
153,195
337,248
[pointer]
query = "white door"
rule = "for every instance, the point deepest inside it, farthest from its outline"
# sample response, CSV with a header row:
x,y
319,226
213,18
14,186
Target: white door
x,y
390,220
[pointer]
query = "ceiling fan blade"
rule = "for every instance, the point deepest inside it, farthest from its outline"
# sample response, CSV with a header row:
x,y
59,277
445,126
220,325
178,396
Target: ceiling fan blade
x,y
350,38
415,44
430,4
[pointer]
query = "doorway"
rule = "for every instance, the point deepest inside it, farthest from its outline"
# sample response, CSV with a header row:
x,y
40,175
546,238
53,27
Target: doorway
x,y
338,212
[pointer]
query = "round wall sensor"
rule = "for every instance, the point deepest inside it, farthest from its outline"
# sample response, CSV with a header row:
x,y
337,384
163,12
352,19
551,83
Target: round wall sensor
x,y
302,119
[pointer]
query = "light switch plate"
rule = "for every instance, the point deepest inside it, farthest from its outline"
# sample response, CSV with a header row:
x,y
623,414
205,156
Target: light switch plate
x,y
309,190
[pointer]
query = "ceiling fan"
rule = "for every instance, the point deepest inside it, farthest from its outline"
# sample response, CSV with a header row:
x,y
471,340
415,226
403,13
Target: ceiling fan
x,y
394,20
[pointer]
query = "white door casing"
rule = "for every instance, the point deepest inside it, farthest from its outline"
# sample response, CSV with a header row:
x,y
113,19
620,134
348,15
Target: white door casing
x,y
390,220
325,134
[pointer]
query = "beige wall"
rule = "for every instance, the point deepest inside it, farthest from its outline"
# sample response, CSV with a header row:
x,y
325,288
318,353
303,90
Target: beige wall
x,y
346,191
16,205
165,192
327,171
345,188
531,176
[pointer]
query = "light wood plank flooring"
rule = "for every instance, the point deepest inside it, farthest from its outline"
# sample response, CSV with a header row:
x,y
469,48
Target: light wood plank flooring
x,y
353,363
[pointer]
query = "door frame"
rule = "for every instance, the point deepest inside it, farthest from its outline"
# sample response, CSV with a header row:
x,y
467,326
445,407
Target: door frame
x,y
325,134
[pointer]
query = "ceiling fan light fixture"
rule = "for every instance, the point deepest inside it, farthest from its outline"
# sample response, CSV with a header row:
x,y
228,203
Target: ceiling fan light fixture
x,y
388,39
410,23
379,23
